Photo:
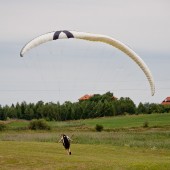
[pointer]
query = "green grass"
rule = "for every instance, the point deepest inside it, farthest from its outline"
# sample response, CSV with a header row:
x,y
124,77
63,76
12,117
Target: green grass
x,y
51,156
124,144
118,122
118,131
130,121
147,139
17,124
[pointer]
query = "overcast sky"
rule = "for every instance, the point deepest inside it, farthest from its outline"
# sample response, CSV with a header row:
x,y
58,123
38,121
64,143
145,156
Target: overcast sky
x,y
66,70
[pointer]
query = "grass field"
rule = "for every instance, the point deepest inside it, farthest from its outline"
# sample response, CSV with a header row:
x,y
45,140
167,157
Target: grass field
x,y
153,120
124,144
44,155
131,121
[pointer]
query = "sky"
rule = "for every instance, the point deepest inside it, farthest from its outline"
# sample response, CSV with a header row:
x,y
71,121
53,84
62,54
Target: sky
x,y
66,70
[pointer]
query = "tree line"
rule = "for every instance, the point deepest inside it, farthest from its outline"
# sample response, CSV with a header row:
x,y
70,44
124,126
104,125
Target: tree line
x,y
97,106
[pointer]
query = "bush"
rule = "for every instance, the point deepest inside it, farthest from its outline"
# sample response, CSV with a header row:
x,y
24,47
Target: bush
x,y
145,124
99,128
2,126
40,124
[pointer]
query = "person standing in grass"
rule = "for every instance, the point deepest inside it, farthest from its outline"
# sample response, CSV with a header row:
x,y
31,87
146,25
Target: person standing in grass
x,y
66,143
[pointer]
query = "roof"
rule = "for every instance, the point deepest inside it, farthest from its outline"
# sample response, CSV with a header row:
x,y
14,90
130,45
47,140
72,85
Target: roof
x,y
166,101
85,97
114,98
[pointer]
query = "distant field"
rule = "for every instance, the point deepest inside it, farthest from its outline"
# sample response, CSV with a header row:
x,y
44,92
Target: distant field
x,y
131,121
51,156
153,120
118,131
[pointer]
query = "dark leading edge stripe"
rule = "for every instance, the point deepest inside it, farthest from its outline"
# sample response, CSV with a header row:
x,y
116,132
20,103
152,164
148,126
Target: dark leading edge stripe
x,y
57,33
69,34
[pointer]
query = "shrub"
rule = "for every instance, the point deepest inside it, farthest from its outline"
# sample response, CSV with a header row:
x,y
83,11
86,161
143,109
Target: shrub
x,y
40,124
2,126
145,124
99,128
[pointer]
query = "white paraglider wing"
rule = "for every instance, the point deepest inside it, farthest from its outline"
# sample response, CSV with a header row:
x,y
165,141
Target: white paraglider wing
x,y
92,37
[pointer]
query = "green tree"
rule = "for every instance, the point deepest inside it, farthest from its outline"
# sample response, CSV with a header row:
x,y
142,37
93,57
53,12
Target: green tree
x,y
3,113
141,108
18,111
12,112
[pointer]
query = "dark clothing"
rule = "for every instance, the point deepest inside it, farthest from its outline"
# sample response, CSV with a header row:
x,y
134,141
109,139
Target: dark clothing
x,y
66,142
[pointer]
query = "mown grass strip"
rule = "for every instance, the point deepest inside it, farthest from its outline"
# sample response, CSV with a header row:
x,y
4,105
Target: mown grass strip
x,y
36,155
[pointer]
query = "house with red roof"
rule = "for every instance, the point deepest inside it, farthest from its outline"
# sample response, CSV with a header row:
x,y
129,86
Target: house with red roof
x,y
85,97
166,101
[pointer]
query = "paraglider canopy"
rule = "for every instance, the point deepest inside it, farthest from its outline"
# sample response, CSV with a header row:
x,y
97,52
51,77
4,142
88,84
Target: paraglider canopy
x,y
55,35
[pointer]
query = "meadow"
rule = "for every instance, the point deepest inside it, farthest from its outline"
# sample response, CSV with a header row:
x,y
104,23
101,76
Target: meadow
x,y
125,143
44,155
112,123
